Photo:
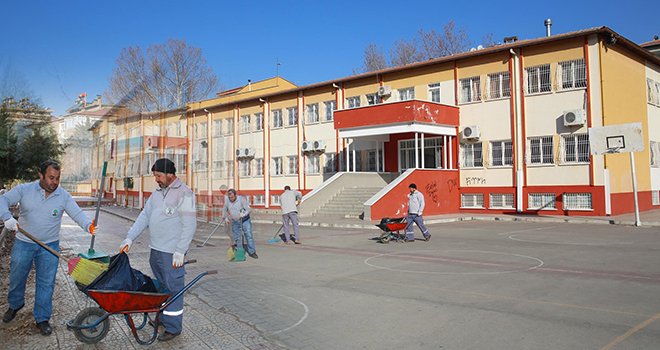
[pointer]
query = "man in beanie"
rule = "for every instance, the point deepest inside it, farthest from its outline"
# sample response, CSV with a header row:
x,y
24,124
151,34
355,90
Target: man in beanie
x,y
169,213
415,209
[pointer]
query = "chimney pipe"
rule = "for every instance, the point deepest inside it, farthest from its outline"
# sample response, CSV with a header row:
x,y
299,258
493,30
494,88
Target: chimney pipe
x,y
249,85
548,24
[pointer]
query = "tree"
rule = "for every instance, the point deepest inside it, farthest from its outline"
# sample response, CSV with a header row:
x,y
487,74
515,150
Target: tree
x,y
40,145
8,157
404,52
450,42
163,77
374,59
78,153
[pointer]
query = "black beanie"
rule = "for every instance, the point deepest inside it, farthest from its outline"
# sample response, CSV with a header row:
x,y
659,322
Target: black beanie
x,y
164,165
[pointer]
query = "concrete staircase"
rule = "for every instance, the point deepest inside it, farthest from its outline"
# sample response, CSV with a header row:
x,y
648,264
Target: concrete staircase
x,y
347,203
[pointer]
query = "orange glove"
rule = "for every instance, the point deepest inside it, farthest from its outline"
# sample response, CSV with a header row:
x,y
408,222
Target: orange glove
x,y
92,228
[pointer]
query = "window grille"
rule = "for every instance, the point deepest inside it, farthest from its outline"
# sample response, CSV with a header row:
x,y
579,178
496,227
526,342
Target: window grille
x,y
292,162
499,85
312,113
653,92
353,102
373,99
258,121
540,150
472,155
538,79
501,153
230,127
655,153
501,200
245,169
330,163
434,92
472,200
330,107
258,199
245,123
217,128
230,169
571,74
575,148
259,167
470,89
292,113
277,118
577,201
407,94
655,197
541,201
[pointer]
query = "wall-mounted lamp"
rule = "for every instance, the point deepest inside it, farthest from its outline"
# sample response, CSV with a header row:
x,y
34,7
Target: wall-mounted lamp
x,y
262,100
334,85
206,110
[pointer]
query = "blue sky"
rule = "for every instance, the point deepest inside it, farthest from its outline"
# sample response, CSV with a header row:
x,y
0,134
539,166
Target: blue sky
x,y
64,48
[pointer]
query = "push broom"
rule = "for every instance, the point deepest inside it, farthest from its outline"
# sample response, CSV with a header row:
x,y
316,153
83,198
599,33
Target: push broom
x,y
276,238
91,253
82,270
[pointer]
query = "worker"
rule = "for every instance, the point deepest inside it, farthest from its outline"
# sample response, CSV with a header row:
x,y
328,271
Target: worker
x,y
415,209
42,204
169,213
237,212
289,202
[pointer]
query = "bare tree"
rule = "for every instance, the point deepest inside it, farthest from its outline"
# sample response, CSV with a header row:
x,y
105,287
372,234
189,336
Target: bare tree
x,y
374,59
487,40
163,77
451,41
405,52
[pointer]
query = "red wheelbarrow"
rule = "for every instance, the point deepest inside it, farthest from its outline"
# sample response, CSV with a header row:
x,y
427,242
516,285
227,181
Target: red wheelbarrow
x,y
92,324
392,228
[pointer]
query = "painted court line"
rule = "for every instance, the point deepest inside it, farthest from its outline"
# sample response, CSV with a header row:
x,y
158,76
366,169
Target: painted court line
x,y
305,314
630,332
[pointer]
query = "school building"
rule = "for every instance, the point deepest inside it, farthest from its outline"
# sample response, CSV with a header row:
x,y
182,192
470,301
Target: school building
x,y
502,129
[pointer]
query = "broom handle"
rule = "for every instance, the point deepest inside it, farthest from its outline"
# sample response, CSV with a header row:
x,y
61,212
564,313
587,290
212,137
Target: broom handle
x,y
26,234
98,203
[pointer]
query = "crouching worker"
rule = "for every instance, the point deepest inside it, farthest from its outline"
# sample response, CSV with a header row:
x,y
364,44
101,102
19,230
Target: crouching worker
x,y
169,213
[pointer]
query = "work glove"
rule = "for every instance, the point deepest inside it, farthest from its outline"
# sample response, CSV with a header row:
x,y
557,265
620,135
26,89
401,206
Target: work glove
x,y
91,229
242,213
125,245
11,224
177,259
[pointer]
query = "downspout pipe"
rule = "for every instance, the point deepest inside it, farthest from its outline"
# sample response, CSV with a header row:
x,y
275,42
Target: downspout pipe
x,y
518,132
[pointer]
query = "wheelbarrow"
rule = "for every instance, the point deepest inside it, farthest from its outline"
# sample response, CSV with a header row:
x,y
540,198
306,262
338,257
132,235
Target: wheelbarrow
x,y
392,228
92,324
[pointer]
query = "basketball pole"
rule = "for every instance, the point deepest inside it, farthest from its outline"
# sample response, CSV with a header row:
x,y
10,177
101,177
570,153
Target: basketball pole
x,y
634,184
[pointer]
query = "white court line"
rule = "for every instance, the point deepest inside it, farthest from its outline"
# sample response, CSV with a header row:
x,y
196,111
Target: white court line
x,y
299,321
525,230
540,263
604,244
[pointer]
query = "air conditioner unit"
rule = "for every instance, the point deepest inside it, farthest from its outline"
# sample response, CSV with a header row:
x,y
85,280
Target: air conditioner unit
x,y
319,145
574,117
248,152
151,142
384,90
307,146
239,152
471,132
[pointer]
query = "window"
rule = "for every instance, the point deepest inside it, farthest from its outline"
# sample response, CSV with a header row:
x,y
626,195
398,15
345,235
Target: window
x,y
244,167
312,164
277,118
258,121
655,154
230,127
330,165
259,167
541,201
472,156
292,162
470,89
373,99
276,168
540,150
353,102
577,201
245,123
434,92
538,79
258,199
330,107
230,169
655,197
571,74
501,153
499,85
407,94
275,199
501,201
576,148
472,200
653,92
292,115
217,128
312,113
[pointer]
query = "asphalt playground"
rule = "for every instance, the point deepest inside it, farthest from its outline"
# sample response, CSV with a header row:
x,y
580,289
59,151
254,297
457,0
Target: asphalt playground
x,y
474,285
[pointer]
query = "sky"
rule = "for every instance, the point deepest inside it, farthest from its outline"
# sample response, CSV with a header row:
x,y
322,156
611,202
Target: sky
x,y
60,49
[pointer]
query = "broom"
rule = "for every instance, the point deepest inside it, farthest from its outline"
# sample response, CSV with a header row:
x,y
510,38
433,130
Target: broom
x,y
276,238
81,270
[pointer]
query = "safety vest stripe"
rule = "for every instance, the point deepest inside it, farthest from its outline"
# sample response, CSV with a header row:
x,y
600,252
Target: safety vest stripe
x,y
173,313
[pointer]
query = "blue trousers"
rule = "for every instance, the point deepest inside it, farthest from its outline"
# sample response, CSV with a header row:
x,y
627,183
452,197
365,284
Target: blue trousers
x,y
293,217
45,264
172,279
414,218
238,236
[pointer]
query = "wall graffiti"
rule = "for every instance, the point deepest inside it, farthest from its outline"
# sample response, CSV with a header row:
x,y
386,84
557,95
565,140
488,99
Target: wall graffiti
x,y
451,184
471,181
432,191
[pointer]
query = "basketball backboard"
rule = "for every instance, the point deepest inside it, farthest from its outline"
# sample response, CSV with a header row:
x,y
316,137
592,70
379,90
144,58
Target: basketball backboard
x,y
620,138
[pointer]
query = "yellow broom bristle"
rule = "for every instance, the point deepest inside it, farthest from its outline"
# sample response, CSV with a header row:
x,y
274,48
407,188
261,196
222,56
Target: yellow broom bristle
x,y
85,271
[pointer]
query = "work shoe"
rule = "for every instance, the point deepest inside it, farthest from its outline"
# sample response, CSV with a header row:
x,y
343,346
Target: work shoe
x,y
254,255
297,242
167,336
44,328
427,237
10,314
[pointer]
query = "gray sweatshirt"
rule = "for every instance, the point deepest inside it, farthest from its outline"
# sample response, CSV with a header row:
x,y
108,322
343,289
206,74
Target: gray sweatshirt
x,y
289,200
170,215
416,203
232,210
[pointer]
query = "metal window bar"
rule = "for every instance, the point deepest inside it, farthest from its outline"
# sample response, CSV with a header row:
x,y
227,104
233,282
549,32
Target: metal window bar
x,y
501,200
541,201
540,150
497,158
538,79
655,197
577,201
472,200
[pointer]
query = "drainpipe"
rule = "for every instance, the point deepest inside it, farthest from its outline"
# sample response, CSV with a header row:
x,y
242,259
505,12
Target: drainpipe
x,y
518,142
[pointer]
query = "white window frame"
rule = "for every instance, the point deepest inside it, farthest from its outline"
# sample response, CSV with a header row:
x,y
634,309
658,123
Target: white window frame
x,y
655,197
546,201
278,121
312,113
245,167
538,79
575,149
292,165
217,127
230,169
406,94
353,102
258,167
472,201
258,121
277,167
470,89
275,199
501,201
499,85
292,116
506,146
545,150
468,152
373,99
245,123
313,164
230,126
330,108
577,201
571,75
434,92
258,199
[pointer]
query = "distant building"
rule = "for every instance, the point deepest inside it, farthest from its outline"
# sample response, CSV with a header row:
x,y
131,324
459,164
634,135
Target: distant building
x,y
652,46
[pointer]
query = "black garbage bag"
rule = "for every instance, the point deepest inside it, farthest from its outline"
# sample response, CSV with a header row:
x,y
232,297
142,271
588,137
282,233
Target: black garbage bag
x,y
121,276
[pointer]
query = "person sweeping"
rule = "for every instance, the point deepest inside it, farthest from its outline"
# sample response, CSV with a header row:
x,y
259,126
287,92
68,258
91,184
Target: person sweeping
x,y
169,213
42,204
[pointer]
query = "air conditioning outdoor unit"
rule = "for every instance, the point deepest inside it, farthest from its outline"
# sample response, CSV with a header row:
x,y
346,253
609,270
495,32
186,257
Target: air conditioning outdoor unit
x,y
471,132
248,152
384,90
574,117
307,146
239,152
319,145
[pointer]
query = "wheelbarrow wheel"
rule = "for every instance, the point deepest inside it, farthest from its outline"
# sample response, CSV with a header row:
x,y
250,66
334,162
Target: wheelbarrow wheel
x,y
95,334
385,238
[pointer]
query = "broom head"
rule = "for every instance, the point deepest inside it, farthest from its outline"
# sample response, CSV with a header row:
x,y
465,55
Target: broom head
x,y
85,271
